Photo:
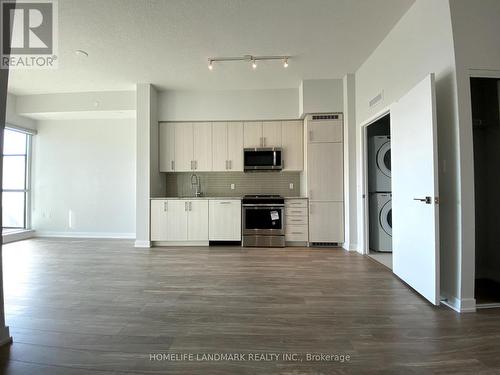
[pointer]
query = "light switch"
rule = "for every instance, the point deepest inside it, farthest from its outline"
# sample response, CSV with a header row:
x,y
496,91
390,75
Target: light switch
x,y
291,185
232,187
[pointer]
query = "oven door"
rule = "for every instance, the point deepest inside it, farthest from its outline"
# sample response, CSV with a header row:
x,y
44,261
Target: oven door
x,y
262,159
263,220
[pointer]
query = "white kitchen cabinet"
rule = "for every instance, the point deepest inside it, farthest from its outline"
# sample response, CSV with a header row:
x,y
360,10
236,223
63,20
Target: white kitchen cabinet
x,y
167,147
325,172
326,222
197,220
292,136
296,221
184,147
321,128
235,146
168,220
252,134
219,146
271,133
227,146
202,146
224,220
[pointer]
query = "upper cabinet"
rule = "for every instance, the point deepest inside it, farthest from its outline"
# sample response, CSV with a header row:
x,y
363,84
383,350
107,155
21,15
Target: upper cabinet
x,y
262,134
325,128
227,146
218,146
292,136
185,147
167,147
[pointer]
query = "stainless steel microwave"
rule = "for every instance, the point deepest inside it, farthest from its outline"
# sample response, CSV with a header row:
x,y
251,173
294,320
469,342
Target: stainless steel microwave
x,y
262,159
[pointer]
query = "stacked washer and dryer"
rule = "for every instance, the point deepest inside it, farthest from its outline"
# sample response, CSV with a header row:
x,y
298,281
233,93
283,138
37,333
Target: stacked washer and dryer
x,y
380,196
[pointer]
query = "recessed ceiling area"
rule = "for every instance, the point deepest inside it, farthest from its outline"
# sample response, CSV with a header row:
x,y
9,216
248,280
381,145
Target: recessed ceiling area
x,y
167,43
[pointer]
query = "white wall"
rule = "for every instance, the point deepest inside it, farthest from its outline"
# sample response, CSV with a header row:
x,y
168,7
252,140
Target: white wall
x,y
321,95
279,104
476,31
421,43
12,116
84,170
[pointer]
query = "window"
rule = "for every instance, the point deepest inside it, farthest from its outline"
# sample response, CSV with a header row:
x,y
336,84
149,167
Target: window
x,y
16,184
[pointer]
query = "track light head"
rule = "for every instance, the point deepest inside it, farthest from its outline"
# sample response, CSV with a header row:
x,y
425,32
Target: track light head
x,y
285,62
210,65
254,64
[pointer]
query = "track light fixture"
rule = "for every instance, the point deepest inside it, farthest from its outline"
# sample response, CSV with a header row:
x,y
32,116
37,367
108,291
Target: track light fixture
x,y
250,58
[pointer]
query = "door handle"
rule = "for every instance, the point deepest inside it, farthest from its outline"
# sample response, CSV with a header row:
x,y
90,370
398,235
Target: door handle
x,y
190,206
264,142
165,206
226,165
185,206
426,200
196,164
172,165
310,135
230,164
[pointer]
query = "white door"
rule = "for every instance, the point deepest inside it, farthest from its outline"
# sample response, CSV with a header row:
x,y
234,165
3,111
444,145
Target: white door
x,y
225,220
271,133
167,147
326,175
219,147
326,222
184,146
202,143
325,130
415,221
197,220
159,226
176,220
292,133
252,134
235,146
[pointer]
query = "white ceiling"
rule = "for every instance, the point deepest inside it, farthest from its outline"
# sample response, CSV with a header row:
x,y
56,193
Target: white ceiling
x,y
168,42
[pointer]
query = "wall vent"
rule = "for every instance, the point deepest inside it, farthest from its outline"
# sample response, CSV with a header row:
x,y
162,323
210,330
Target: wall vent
x,y
325,244
325,117
377,99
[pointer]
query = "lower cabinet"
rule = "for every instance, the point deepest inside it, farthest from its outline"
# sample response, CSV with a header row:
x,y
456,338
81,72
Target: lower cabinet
x,y
225,220
326,222
179,220
296,222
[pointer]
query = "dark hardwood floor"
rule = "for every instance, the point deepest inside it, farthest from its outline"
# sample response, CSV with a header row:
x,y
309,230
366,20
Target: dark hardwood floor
x,y
78,307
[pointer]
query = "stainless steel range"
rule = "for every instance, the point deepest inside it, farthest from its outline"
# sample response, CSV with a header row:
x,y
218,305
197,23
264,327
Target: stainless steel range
x,y
263,220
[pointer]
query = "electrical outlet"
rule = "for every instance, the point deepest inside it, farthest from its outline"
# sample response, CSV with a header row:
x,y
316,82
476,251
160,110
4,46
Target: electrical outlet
x,y
291,185
232,187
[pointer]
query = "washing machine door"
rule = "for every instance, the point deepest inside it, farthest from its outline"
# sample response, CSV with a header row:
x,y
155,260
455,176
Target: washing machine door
x,y
384,158
385,218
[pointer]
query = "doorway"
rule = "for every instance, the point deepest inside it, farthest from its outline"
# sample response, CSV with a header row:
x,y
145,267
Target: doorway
x,y
486,135
378,137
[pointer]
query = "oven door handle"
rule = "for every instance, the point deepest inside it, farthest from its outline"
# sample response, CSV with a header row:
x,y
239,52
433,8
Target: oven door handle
x,y
250,206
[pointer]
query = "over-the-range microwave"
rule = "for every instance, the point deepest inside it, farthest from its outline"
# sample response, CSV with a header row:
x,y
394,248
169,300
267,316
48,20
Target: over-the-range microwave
x,y
262,159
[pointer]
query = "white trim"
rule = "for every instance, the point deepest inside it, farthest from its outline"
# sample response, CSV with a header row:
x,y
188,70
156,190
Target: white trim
x,y
180,243
20,129
487,306
465,305
85,235
484,73
17,236
142,244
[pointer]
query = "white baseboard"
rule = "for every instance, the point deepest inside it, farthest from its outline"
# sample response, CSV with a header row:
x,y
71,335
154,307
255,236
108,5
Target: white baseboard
x,y
180,243
129,236
465,305
139,243
350,246
17,236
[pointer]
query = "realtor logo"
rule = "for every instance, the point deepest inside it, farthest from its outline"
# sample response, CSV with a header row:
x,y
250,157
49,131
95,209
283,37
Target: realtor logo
x,y
29,34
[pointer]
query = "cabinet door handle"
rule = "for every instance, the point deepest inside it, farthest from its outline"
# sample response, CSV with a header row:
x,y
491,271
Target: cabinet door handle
x,y
310,135
185,206
190,206
172,165
196,164
165,206
264,141
225,202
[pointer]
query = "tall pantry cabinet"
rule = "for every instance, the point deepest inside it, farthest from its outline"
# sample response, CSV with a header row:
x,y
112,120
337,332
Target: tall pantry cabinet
x,y
324,177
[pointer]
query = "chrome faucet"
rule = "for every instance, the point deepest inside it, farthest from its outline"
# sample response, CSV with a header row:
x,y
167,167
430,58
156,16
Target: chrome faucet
x,y
195,184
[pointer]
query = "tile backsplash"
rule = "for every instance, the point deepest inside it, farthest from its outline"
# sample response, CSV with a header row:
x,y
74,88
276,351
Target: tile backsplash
x,y
218,184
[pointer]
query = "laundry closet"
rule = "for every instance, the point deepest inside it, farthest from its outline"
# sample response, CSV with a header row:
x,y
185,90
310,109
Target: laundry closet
x,y
378,135
486,132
